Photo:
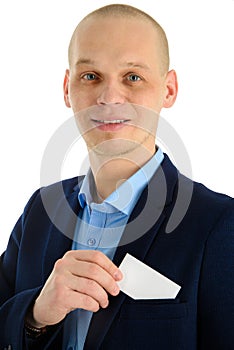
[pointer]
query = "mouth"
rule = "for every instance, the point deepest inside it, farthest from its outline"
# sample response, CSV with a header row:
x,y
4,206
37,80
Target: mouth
x,y
110,125
115,121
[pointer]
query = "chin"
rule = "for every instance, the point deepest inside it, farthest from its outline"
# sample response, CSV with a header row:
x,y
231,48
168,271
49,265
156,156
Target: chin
x,y
117,148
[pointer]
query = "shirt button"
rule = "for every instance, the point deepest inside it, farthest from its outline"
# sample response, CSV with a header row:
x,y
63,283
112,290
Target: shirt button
x,y
91,242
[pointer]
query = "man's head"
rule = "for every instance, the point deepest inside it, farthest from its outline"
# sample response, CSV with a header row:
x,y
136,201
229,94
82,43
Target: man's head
x,y
127,12
118,55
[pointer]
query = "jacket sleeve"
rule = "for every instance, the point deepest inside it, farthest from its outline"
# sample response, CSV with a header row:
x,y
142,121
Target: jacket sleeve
x,y
216,289
14,305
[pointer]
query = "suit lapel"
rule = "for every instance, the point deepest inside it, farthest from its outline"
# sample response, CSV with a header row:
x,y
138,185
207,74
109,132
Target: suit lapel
x,y
138,237
62,228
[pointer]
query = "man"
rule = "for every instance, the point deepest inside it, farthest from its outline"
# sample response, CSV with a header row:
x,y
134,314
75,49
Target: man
x,y
61,292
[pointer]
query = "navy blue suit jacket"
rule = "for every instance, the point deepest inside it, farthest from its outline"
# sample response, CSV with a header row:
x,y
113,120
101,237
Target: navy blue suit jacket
x,y
198,255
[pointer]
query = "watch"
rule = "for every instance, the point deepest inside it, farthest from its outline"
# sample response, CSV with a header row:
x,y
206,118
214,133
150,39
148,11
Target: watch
x,y
33,332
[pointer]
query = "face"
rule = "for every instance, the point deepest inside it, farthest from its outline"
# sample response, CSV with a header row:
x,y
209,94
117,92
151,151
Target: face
x,y
115,84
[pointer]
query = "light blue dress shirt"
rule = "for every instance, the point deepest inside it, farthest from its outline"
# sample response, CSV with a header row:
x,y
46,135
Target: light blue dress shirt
x,y
100,227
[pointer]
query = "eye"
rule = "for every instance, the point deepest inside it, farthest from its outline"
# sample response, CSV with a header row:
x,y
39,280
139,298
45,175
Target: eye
x,y
133,78
89,76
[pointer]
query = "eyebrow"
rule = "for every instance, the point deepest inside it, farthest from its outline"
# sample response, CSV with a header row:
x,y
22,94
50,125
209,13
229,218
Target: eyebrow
x,y
135,65
89,61
85,61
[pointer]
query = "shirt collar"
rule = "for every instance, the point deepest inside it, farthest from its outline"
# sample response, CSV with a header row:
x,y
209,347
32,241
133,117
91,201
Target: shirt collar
x,y
125,197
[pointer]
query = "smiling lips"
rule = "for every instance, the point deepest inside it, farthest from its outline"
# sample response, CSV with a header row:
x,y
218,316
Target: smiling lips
x,y
111,121
110,125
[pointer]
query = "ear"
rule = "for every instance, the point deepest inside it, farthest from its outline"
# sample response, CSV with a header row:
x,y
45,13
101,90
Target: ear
x,y
66,89
171,89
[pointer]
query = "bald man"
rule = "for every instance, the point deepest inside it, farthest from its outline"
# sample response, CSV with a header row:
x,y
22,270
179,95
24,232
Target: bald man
x,y
61,291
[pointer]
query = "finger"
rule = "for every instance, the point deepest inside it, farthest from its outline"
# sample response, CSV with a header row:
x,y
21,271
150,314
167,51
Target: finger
x,y
91,288
97,274
98,258
82,301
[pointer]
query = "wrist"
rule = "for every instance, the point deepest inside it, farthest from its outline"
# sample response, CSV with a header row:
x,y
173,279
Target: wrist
x,y
31,321
33,328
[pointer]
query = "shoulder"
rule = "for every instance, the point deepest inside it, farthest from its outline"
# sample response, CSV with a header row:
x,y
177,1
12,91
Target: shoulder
x,y
210,201
68,185
206,204
53,193
208,210
193,204
197,195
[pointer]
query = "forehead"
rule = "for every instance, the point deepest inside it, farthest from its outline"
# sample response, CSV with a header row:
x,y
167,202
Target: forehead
x,y
115,37
115,22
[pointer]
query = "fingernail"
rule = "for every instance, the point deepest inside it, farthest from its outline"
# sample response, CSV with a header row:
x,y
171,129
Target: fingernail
x,y
105,305
116,290
118,275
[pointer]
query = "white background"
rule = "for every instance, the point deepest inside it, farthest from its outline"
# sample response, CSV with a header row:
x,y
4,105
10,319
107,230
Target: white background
x,y
34,36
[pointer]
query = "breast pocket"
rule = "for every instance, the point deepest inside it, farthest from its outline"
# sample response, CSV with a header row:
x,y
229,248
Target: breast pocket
x,y
154,324
154,309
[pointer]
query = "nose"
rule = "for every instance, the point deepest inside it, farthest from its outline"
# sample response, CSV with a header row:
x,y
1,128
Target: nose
x,y
110,93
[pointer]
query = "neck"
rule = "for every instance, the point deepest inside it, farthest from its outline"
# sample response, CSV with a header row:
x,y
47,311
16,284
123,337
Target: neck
x,y
110,172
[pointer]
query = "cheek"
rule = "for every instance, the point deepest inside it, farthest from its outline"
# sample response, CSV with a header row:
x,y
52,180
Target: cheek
x,y
80,98
151,98
81,101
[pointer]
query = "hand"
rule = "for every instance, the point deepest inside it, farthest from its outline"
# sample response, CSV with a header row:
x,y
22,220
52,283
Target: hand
x,y
81,279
